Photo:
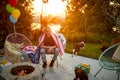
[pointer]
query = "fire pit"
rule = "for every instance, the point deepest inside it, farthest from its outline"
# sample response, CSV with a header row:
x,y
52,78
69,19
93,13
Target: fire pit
x,y
22,71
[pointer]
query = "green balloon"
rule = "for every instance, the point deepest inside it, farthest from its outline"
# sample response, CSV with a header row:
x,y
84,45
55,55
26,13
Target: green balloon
x,y
9,8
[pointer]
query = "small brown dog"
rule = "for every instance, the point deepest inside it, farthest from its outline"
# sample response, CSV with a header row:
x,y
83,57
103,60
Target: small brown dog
x,y
80,74
77,47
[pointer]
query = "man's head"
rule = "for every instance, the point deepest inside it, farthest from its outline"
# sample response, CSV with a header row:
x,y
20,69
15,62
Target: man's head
x,y
47,30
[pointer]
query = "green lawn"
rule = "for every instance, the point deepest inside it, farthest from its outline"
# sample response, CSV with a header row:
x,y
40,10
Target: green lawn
x,y
90,50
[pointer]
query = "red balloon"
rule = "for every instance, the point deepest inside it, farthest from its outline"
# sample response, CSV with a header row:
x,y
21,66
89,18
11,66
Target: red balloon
x,y
13,3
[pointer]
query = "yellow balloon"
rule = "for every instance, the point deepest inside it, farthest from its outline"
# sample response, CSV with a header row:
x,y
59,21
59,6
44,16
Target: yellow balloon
x,y
15,13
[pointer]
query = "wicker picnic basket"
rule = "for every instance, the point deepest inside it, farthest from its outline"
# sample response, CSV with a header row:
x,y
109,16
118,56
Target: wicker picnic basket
x,y
12,47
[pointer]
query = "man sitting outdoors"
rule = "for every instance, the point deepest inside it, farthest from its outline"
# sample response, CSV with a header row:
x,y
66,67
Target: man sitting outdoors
x,y
49,43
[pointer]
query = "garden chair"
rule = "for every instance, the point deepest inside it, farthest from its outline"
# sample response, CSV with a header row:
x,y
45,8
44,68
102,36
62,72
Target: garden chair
x,y
12,47
106,61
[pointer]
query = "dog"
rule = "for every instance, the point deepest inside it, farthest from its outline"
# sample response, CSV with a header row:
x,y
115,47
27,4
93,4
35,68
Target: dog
x,y
80,74
77,47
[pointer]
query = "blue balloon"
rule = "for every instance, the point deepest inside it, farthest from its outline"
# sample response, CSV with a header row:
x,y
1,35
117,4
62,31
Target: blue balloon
x,y
12,19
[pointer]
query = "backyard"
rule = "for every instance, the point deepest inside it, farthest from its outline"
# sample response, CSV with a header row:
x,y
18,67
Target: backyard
x,y
22,22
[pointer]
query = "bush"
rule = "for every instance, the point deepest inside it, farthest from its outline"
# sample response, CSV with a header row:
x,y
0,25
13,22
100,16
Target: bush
x,y
89,37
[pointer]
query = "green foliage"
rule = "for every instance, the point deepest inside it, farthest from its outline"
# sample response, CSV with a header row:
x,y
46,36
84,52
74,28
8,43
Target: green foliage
x,y
34,36
26,18
92,18
23,24
75,37
90,37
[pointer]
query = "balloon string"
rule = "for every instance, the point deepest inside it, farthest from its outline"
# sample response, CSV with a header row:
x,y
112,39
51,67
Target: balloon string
x,y
14,29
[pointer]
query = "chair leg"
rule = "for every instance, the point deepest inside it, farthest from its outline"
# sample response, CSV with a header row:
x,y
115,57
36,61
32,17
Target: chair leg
x,y
118,72
98,71
118,77
42,75
57,63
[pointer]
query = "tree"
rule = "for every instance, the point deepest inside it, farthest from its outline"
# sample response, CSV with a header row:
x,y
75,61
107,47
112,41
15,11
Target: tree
x,y
23,24
96,16
111,10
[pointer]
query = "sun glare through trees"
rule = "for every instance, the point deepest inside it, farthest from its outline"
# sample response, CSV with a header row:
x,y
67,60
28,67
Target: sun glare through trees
x,y
55,8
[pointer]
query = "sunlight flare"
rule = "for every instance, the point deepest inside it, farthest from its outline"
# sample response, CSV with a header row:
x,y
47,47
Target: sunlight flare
x,y
35,26
53,7
37,5
55,28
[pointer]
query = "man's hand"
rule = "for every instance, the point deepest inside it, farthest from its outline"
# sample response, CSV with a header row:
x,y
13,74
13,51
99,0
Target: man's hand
x,y
51,49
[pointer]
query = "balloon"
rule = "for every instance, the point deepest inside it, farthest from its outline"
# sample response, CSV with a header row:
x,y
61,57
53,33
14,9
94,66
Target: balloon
x,y
16,13
13,3
9,8
12,19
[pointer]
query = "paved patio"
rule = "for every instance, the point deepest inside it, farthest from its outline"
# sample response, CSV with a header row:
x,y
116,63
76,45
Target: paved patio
x,y
66,66
65,69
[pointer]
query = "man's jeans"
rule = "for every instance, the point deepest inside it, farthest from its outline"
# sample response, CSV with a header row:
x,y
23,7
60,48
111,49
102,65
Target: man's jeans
x,y
43,54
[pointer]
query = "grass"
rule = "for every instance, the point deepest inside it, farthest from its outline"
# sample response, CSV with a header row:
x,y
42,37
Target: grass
x,y
90,50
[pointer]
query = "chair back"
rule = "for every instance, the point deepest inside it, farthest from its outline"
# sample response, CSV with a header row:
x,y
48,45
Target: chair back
x,y
105,59
12,47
